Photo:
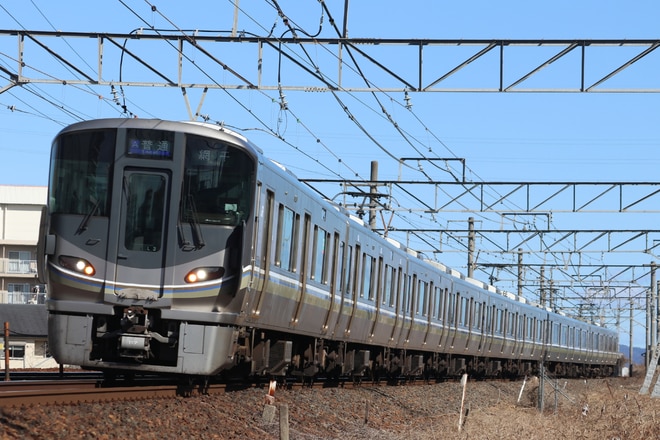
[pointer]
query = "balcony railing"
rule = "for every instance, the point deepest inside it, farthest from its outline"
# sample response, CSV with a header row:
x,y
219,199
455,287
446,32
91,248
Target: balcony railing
x,y
9,267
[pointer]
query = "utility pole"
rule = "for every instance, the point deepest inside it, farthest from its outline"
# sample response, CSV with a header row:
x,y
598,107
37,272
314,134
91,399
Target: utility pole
x,y
470,254
542,286
520,272
373,189
653,315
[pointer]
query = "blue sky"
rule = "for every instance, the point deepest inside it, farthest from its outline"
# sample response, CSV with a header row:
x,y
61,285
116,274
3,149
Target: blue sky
x,y
503,136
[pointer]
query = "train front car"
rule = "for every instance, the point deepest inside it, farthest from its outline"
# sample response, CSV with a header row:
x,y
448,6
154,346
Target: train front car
x,y
144,244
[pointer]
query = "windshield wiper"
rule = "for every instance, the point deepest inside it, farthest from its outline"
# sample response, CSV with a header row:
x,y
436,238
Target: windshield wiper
x,y
83,224
194,224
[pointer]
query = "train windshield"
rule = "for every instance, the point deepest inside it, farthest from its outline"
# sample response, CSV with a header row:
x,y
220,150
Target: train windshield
x,y
81,165
217,184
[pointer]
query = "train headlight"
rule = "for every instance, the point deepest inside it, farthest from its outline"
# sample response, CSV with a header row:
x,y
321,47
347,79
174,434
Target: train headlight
x,y
79,265
201,274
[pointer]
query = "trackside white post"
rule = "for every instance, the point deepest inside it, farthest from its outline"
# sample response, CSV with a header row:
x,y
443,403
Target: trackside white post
x,y
460,417
284,422
521,389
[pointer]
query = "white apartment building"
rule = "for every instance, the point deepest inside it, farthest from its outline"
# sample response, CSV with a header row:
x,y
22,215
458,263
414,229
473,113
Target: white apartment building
x,y
20,215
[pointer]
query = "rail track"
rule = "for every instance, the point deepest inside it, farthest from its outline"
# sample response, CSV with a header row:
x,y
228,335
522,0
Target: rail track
x,y
39,392
29,388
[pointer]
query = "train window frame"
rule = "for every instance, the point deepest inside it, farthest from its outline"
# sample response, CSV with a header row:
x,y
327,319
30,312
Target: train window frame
x,y
340,247
451,307
437,298
464,311
377,282
405,300
365,275
320,255
499,321
286,238
350,273
387,286
420,301
396,297
479,314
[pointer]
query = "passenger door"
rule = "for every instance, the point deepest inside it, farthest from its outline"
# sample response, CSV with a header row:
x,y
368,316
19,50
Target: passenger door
x,y
142,233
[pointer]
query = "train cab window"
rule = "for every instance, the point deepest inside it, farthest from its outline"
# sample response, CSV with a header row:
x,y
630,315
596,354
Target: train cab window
x,y
287,225
217,184
80,174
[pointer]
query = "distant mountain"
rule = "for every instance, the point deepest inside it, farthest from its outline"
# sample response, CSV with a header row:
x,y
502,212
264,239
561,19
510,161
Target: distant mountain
x,y
638,353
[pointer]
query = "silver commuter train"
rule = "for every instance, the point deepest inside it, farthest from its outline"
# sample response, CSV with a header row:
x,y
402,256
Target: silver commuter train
x,y
178,248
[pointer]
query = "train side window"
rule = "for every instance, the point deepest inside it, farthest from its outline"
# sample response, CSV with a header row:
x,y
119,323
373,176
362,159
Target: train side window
x,y
442,304
451,306
356,269
284,240
410,307
479,315
499,324
405,292
341,264
490,312
457,312
347,272
377,281
464,311
435,307
395,279
366,275
320,255
396,297
420,302
387,288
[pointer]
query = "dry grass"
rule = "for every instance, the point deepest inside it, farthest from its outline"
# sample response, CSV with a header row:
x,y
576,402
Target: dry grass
x,y
595,409
603,409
